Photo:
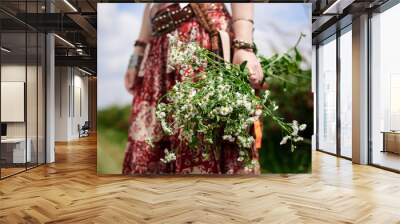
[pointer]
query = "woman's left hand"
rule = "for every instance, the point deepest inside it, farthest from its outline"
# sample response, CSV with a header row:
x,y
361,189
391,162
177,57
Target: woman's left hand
x,y
256,74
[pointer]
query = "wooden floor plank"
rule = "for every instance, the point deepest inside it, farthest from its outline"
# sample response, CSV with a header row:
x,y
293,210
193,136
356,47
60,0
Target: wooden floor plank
x,y
69,191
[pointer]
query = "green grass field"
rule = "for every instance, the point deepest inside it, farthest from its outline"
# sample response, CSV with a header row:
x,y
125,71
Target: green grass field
x,y
112,135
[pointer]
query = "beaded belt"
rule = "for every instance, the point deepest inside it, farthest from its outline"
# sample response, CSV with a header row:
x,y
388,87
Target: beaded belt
x,y
168,19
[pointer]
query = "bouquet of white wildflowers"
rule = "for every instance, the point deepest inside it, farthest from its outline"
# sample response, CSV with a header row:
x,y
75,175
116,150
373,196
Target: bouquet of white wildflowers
x,y
216,105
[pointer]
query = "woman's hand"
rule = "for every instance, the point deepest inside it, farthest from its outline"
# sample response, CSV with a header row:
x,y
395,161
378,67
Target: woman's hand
x,y
144,36
256,74
130,77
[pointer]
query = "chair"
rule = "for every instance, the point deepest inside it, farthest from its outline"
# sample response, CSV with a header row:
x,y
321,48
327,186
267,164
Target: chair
x,y
84,130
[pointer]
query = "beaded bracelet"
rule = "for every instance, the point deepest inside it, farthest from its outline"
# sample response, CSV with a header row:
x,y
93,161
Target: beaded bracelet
x,y
240,44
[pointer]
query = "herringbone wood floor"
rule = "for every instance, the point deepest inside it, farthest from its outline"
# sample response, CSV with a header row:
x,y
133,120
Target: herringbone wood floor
x,y
69,191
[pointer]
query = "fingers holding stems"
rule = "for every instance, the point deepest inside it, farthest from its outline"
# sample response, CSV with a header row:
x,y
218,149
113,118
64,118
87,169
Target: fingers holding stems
x,y
253,65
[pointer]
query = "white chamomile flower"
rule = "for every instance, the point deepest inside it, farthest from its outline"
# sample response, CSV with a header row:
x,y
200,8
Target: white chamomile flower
x,y
149,141
192,93
297,139
168,157
162,114
284,140
228,138
205,156
266,94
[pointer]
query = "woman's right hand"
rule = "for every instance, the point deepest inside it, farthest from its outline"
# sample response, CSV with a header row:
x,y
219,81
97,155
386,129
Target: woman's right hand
x,y
130,77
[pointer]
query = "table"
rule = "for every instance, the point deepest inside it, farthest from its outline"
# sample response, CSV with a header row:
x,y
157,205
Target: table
x,y
13,150
391,141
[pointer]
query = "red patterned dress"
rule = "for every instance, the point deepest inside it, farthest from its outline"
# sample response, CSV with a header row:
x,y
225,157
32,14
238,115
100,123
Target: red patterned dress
x,y
142,158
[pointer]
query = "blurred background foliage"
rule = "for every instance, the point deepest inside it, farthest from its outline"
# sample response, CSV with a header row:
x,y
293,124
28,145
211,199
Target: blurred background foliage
x,y
295,103
112,132
290,88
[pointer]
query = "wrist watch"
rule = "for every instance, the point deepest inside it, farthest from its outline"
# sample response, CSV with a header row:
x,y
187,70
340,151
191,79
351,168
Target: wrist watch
x,y
134,61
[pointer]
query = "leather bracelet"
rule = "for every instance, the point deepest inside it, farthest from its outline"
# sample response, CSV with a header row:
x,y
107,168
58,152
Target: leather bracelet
x,y
135,61
240,44
139,43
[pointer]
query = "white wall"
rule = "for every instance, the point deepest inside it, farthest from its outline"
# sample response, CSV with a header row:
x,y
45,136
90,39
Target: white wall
x,y
71,94
80,103
13,73
62,82
33,126
17,73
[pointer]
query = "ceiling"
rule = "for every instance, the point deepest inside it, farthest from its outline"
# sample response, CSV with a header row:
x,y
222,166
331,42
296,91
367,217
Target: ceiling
x,y
332,15
75,23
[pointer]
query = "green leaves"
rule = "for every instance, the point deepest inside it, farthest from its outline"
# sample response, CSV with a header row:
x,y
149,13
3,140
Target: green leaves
x,y
255,49
243,66
220,104
286,69
298,56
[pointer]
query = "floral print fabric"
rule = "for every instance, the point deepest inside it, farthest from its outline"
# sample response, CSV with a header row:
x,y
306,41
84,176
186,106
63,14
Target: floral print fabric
x,y
142,156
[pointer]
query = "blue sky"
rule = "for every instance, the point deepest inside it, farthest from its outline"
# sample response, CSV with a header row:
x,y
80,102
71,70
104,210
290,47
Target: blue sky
x,y
277,27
